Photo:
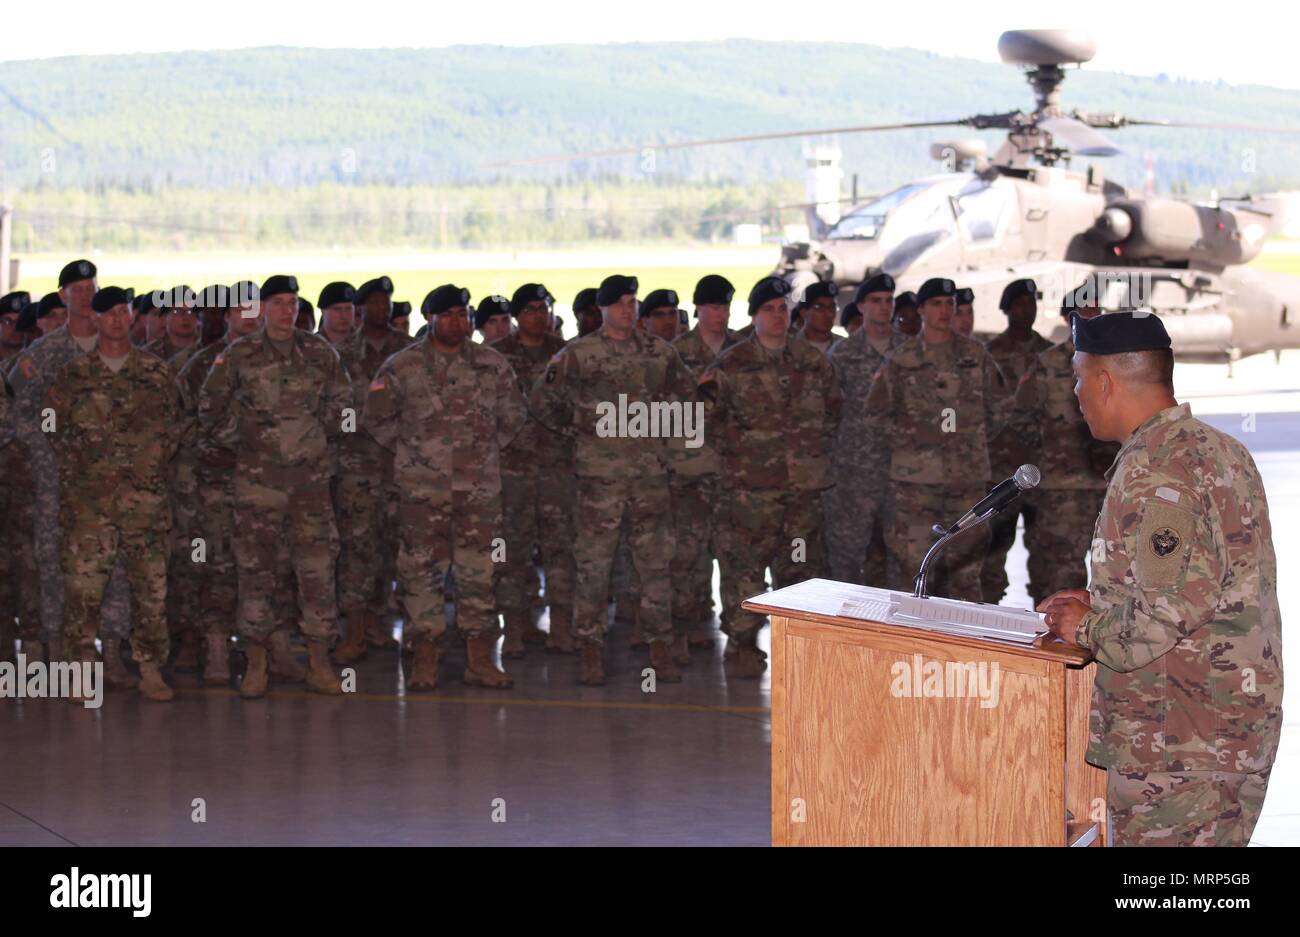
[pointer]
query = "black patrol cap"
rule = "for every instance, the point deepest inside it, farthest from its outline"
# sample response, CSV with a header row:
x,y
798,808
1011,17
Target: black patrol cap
x,y
713,290
765,290
935,286
906,299
77,270
819,290
336,292
1116,333
615,287
657,299
16,301
377,285
244,293
443,298
280,283
215,296
492,306
529,292
880,283
586,299
965,296
399,310
110,296
1015,289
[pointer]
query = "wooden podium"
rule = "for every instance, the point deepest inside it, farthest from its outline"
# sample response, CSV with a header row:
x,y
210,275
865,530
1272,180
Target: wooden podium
x,y
866,754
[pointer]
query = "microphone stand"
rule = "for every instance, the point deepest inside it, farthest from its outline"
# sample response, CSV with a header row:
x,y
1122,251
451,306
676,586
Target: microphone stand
x,y
937,548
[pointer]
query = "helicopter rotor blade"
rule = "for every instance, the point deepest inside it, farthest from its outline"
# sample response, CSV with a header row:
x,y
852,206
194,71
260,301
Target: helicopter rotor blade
x,y
1203,125
714,141
1078,136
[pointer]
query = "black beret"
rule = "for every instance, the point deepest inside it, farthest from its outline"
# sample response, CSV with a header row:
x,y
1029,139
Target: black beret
x,y
880,283
530,292
1083,296
1015,289
305,307
144,302
399,310
492,306
657,299
216,296
280,283
713,290
77,270
422,331
50,302
26,320
336,292
110,296
615,287
905,299
443,298
765,290
175,298
378,284
849,313
586,299
16,301
819,290
1116,333
935,286
244,293
965,296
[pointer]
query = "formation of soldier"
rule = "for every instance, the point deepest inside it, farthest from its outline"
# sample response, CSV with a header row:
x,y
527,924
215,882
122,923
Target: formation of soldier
x,y
283,475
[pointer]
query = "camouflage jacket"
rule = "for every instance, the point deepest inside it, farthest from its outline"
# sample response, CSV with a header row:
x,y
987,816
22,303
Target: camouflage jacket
x,y
276,411
699,357
774,414
445,417
213,461
536,446
178,361
857,449
30,377
1007,450
595,382
359,454
372,359
1046,417
938,405
162,348
114,436
1185,623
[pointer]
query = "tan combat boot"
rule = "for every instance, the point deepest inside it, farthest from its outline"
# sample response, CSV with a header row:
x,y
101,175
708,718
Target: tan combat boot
x,y
591,669
424,672
255,677
533,634
512,648
187,655
561,640
152,685
353,647
681,650
216,665
115,672
283,662
479,668
661,659
702,636
378,634
749,662
321,677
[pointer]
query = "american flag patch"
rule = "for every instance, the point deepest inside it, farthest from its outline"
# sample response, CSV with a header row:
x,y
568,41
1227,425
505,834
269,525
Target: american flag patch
x,y
377,384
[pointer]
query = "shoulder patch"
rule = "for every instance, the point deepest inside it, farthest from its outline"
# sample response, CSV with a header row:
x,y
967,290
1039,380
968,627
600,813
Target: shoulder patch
x,y
27,368
1163,544
377,385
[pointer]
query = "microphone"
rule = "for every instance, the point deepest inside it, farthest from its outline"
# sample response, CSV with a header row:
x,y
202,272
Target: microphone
x,y
1026,477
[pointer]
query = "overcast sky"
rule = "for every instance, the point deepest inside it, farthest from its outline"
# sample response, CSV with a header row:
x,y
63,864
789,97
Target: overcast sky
x,y
1237,42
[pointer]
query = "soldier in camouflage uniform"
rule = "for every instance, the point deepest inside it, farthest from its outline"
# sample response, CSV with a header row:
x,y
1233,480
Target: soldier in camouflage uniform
x,y
854,508
1073,464
1015,351
588,389
537,490
30,377
19,582
776,405
446,407
277,398
1181,613
818,309
963,317
938,398
693,482
180,324
115,429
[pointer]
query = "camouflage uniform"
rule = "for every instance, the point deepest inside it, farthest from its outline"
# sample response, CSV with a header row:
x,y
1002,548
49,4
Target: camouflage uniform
x,y
446,418
1007,452
163,349
537,490
115,434
1047,419
622,479
694,489
30,376
854,508
20,597
280,414
773,416
938,405
1186,630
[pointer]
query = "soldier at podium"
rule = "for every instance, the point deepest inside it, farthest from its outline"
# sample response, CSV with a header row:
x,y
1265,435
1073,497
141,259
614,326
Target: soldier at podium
x,y
1181,612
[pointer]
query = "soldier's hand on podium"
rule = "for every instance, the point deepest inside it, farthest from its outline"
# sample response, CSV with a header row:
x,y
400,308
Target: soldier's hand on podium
x,y
1064,610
